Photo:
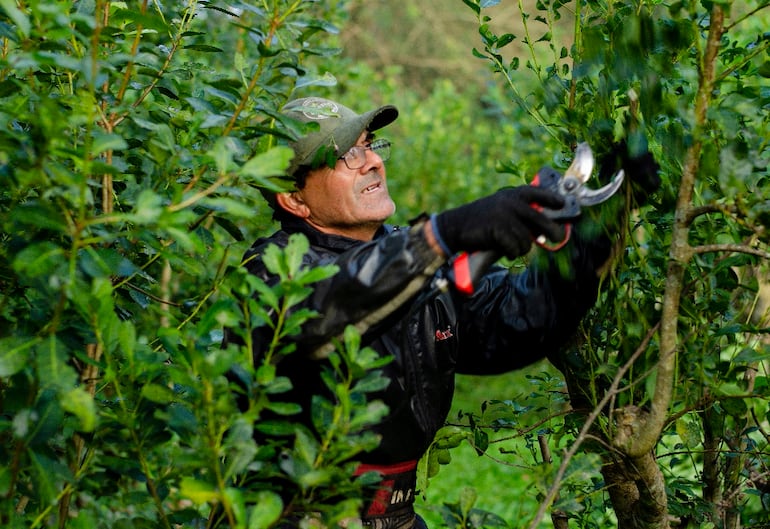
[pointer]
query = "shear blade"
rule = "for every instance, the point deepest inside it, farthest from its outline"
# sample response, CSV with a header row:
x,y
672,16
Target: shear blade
x,y
591,197
583,164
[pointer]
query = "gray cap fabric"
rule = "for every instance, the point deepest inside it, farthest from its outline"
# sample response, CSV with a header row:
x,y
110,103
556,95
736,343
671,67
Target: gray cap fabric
x,y
339,130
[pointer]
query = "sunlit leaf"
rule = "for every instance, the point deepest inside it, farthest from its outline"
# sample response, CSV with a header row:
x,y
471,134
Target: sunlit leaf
x,y
270,163
266,511
79,403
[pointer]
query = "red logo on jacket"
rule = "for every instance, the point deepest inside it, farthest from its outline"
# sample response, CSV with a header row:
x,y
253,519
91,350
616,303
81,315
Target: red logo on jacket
x,y
443,335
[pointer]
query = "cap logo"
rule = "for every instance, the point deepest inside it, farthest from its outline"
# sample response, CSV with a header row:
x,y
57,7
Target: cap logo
x,y
316,108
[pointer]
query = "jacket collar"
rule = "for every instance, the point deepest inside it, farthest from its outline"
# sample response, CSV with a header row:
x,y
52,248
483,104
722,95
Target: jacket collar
x,y
325,240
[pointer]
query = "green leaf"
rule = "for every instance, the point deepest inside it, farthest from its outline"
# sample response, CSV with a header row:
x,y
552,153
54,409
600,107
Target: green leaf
x,y
315,478
79,403
473,5
157,393
147,20
730,389
480,441
105,262
204,48
229,206
295,251
352,340
273,260
266,511
764,69
19,18
468,497
274,162
41,215
505,39
306,447
46,476
318,273
267,295
371,383
327,79
233,498
750,355
148,207
6,479
222,153
52,362
197,491
284,408
14,355
107,142
689,432
41,259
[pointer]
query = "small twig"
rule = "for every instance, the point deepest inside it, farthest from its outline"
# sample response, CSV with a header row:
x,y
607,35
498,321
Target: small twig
x,y
151,296
558,517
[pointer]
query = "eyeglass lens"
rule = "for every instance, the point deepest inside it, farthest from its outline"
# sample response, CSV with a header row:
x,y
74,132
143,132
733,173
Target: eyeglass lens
x,y
355,158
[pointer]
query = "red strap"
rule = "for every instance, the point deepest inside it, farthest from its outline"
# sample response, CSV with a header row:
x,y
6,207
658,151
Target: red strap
x,y
384,495
559,245
387,470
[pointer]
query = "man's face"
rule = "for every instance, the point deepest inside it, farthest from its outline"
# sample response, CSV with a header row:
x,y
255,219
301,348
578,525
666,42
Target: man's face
x,y
349,202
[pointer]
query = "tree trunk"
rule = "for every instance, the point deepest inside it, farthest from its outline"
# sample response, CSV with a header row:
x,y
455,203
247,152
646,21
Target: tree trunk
x,y
637,490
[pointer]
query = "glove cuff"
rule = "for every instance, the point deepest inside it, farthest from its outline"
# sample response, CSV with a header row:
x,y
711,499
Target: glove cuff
x,y
438,237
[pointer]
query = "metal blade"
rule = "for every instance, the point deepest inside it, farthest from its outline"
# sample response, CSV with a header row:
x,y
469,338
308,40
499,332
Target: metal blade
x,y
591,197
583,164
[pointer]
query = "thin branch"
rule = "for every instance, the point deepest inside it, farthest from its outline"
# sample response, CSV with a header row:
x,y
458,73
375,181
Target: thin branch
x,y
747,15
733,248
199,195
151,296
695,212
757,52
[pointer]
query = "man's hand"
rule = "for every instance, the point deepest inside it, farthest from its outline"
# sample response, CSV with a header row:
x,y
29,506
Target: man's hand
x,y
505,222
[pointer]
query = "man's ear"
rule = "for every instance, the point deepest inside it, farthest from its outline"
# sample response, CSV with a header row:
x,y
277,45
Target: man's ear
x,y
293,203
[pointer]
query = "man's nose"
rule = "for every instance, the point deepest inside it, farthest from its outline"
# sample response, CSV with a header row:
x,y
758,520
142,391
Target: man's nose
x,y
372,160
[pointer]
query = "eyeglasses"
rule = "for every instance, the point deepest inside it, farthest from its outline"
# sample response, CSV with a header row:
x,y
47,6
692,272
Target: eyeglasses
x,y
355,158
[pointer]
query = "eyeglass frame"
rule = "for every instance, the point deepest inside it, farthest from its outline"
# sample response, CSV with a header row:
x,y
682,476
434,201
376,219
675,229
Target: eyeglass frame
x,y
359,152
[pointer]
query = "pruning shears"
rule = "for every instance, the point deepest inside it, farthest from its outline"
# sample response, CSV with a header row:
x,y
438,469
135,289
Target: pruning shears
x,y
467,268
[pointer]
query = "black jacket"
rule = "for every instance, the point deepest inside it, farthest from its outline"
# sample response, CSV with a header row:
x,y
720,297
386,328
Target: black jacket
x,y
511,320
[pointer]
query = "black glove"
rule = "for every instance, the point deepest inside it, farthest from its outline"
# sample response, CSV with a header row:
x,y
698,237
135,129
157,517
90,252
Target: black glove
x,y
641,170
505,222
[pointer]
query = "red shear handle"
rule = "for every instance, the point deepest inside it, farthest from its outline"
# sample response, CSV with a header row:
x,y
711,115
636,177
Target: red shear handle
x,y
468,268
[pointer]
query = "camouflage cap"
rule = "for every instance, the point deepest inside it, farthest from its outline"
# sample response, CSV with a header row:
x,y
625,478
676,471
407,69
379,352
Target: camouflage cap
x,y
339,129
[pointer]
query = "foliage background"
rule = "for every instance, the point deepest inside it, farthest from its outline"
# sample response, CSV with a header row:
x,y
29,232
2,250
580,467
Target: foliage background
x,y
134,140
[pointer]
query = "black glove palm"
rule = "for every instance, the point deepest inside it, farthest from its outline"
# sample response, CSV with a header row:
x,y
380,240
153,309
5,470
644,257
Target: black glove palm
x,y
505,222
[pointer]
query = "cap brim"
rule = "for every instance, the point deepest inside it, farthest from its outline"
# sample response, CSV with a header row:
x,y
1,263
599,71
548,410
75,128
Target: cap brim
x,y
381,117
371,121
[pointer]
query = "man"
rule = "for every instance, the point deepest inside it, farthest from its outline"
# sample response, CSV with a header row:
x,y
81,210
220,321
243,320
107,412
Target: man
x,y
340,202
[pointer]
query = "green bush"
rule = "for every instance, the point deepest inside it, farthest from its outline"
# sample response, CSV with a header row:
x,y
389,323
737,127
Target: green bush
x,y
667,377
132,151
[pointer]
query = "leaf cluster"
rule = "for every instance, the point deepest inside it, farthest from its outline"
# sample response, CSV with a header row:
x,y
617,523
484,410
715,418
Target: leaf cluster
x,y
134,145
634,71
